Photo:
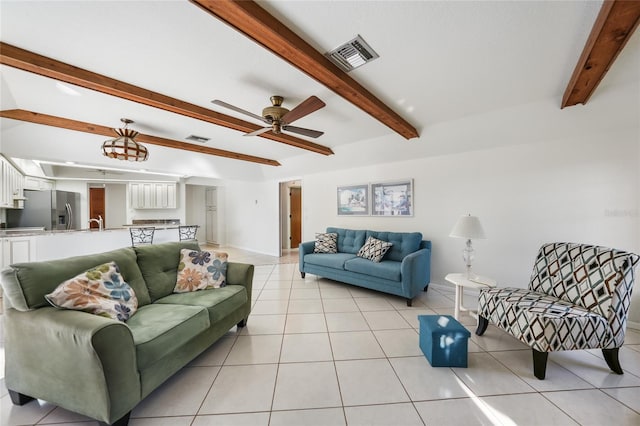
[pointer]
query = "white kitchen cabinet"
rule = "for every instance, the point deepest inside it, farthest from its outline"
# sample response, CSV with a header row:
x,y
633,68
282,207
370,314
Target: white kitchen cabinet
x,y
212,225
11,185
211,197
153,195
38,184
18,250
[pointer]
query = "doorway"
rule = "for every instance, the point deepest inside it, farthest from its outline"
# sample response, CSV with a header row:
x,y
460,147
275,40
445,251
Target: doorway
x,y
295,216
96,206
290,215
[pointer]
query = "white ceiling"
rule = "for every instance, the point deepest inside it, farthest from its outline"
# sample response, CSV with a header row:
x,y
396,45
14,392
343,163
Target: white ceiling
x,y
440,61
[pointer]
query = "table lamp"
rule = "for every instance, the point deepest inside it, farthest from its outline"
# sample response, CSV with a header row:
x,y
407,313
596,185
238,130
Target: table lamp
x,y
468,227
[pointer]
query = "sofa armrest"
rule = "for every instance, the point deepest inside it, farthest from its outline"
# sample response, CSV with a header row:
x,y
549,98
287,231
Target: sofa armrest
x,y
83,362
241,274
304,249
416,271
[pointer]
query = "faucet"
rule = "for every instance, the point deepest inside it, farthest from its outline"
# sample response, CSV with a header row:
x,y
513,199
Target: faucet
x,y
99,221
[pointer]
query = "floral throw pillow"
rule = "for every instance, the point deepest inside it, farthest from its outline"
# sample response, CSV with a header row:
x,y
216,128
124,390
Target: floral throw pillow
x,y
100,291
200,270
374,249
326,243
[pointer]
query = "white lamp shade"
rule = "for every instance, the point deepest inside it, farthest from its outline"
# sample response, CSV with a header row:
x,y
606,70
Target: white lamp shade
x,y
468,227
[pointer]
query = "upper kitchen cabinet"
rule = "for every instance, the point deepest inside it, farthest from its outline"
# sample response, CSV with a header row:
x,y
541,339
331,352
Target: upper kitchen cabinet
x,y
38,184
153,195
11,185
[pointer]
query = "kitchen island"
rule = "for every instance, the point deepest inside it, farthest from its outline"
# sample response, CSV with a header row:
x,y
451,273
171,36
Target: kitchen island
x,y
38,245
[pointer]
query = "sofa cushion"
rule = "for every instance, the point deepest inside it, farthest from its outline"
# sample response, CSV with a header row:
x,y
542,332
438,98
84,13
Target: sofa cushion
x,y
349,240
35,279
387,269
199,270
220,302
374,249
326,243
159,329
404,243
159,265
99,291
335,260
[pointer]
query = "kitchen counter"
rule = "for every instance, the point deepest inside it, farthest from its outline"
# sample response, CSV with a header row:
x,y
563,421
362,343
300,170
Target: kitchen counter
x,y
49,245
25,232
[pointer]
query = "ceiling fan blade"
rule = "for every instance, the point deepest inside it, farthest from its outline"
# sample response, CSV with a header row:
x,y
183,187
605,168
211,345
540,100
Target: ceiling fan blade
x,y
307,106
240,110
302,131
258,132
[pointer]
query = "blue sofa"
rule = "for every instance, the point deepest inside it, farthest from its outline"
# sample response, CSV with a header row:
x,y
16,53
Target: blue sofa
x,y
404,271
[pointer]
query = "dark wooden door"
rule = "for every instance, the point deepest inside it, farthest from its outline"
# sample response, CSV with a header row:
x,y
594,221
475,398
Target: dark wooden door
x,y
96,206
295,216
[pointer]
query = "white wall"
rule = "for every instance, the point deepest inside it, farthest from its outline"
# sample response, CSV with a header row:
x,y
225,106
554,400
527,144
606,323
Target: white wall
x,y
579,190
582,189
251,216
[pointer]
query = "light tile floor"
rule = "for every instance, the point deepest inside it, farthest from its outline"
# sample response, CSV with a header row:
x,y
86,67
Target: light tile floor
x,y
317,352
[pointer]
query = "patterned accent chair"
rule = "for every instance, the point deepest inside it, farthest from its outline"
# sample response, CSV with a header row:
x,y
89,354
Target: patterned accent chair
x,y
578,298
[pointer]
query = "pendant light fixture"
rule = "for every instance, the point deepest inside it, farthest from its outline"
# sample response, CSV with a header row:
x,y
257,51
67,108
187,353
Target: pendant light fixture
x,y
124,147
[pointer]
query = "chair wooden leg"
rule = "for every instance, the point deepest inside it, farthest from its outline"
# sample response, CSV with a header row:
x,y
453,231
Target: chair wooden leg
x,y
426,287
18,398
483,323
611,356
242,323
409,301
539,363
302,274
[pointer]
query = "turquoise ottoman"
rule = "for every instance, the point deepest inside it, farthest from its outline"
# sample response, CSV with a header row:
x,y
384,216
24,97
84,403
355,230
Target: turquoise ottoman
x,y
443,340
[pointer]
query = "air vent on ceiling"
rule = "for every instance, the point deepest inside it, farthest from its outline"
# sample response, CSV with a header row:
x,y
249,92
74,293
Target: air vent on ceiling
x,y
352,54
195,138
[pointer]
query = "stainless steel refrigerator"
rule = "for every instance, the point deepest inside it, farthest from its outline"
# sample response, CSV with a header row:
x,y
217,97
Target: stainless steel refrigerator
x,y
52,209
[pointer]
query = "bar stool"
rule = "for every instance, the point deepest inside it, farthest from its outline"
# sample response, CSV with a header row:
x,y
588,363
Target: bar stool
x,y
141,236
187,232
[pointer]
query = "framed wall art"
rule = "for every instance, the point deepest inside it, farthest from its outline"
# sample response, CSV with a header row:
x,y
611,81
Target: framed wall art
x,y
353,200
392,198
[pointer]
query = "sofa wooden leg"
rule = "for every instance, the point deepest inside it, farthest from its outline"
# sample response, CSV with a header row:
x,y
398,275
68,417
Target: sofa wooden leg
x,y
242,323
122,421
611,356
409,301
18,398
482,325
302,274
539,363
426,287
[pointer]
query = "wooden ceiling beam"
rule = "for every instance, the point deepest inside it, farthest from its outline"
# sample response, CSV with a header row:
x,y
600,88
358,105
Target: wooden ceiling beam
x,y
42,65
96,129
613,27
256,23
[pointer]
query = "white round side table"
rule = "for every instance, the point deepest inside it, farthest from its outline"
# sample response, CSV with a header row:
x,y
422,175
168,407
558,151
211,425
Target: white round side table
x,y
461,281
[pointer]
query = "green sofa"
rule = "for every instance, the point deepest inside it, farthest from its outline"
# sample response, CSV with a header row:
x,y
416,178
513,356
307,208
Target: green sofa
x,y
102,367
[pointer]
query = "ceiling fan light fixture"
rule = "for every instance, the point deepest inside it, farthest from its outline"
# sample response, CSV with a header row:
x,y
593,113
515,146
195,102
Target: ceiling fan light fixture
x,y
124,147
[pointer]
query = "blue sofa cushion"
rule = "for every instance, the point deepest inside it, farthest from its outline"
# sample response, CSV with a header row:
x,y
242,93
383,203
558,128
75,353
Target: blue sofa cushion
x,y
387,269
349,240
404,243
333,260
